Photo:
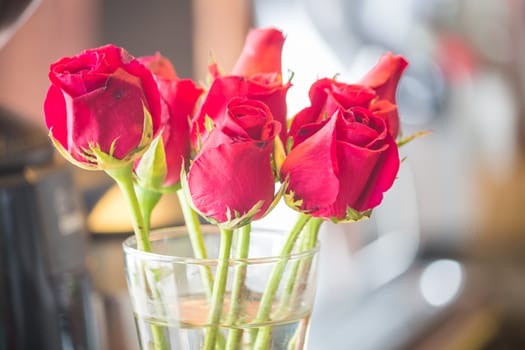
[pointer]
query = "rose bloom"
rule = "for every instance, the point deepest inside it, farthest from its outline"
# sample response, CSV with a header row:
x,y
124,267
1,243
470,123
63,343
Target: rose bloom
x,y
102,100
256,76
344,155
178,98
376,91
233,173
343,163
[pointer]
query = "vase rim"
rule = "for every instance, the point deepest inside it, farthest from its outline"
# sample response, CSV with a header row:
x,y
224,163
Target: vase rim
x,y
129,246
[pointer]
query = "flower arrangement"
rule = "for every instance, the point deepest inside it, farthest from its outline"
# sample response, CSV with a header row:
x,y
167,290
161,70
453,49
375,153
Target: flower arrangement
x,y
229,150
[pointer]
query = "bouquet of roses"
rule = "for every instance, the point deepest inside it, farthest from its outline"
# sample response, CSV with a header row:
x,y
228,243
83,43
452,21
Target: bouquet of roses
x,y
229,149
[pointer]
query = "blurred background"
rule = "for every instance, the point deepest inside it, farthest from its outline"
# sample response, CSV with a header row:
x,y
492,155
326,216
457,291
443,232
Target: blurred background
x,y
441,264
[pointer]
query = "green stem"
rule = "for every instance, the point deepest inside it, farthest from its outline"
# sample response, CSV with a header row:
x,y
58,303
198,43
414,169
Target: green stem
x,y
219,288
300,273
191,220
243,245
313,231
308,241
124,179
147,200
265,307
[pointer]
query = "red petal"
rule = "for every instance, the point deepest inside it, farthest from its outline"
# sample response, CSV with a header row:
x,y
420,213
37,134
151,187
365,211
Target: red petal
x,y
231,176
178,102
381,179
159,66
385,75
388,112
149,86
261,53
105,115
384,78
356,164
223,89
312,169
56,114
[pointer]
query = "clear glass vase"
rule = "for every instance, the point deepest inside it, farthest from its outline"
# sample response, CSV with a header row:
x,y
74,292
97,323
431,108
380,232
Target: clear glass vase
x,y
171,293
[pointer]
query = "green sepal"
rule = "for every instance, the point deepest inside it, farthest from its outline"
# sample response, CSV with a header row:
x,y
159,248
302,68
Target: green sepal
x,y
209,124
410,138
106,161
147,135
278,156
152,169
276,199
353,215
289,197
291,76
99,160
236,220
69,158
289,144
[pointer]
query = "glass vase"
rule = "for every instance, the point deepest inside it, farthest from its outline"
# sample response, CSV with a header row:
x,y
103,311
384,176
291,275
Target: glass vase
x,y
172,291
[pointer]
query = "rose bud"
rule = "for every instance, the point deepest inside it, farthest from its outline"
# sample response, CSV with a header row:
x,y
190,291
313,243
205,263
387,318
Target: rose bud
x,y
342,166
231,180
256,75
177,100
383,78
102,109
261,53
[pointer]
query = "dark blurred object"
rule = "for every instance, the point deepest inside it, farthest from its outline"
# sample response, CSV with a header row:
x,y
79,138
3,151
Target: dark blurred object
x,y
44,286
12,14
44,289
21,144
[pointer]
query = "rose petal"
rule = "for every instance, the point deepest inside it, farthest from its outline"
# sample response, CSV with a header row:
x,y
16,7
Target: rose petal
x,y
120,105
56,115
312,169
178,99
223,89
261,53
231,177
356,165
381,179
384,78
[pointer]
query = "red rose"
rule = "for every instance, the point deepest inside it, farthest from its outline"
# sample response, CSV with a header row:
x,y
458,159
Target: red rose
x,y
256,76
341,165
232,175
98,104
383,79
178,98
375,92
